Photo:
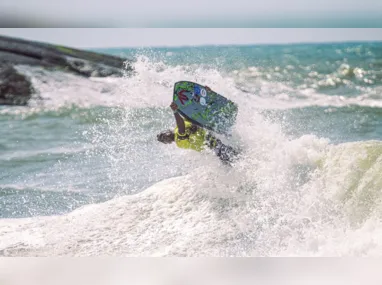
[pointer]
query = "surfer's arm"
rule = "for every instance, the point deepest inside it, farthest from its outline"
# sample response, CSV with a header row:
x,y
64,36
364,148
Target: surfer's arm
x,y
180,123
178,118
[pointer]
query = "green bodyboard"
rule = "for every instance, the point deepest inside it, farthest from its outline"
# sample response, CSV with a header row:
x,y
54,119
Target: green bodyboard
x,y
204,107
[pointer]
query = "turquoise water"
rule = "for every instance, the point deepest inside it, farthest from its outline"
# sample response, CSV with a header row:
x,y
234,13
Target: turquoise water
x,y
309,124
352,66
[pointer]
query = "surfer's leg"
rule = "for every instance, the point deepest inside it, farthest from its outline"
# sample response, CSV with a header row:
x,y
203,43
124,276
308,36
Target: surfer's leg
x,y
226,153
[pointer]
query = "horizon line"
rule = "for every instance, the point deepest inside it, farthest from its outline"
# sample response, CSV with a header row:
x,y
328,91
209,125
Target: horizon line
x,y
239,45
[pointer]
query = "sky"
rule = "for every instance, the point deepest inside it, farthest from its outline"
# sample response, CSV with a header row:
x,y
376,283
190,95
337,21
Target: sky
x,y
195,13
135,37
137,8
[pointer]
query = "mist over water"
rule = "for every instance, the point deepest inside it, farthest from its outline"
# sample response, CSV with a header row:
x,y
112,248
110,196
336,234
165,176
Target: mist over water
x,y
82,173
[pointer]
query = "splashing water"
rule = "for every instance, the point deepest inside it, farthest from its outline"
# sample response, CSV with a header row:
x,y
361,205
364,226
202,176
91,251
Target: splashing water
x,y
293,192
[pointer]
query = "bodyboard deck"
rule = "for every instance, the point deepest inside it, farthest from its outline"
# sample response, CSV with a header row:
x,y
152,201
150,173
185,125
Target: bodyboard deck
x,y
204,107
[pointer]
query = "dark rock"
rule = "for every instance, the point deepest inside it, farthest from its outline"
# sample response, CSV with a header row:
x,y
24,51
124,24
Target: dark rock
x,y
15,88
85,63
88,68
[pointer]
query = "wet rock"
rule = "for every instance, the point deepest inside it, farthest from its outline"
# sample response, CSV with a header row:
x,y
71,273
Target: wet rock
x,y
15,88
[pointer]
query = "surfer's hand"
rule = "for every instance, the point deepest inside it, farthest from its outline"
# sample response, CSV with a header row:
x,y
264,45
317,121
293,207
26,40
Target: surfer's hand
x,y
173,106
207,88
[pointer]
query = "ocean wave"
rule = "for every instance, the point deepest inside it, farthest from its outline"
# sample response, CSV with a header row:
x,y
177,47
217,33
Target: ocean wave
x,y
304,199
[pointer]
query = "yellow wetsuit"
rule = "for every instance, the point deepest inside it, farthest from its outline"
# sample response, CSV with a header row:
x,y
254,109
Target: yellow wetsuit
x,y
201,139
188,140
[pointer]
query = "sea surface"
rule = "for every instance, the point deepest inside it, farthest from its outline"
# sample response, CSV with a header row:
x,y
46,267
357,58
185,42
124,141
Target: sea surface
x,y
81,171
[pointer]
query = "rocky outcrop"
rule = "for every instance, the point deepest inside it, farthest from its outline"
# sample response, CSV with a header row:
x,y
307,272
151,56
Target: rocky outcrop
x,y
16,89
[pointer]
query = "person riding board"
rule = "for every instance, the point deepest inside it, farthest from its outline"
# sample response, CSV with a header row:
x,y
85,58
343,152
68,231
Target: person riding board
x,y
190,136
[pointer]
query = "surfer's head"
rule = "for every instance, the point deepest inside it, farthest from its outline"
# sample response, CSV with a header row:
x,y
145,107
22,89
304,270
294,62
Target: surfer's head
x,y
166,137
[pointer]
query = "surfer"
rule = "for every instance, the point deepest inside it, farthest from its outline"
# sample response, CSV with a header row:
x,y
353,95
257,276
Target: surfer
x,y
190,136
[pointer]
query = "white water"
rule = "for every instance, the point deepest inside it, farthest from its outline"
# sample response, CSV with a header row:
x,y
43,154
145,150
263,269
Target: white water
x,y
301,197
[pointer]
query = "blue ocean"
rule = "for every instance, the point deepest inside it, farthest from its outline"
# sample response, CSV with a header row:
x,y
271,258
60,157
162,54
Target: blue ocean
x,y
82,174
